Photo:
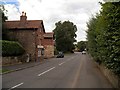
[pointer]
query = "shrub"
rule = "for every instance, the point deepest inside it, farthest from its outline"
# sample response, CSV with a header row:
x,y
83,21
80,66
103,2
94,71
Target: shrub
x,y
104,36
11,48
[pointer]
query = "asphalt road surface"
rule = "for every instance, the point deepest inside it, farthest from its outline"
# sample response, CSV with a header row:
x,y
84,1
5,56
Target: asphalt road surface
x,y
72,71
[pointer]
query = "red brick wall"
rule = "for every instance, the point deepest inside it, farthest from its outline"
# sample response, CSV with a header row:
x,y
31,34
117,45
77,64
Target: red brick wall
x,y
48,42
49,47
39,39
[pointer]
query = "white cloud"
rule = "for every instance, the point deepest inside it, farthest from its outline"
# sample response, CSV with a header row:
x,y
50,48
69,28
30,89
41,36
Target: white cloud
x,y
52,11
12,12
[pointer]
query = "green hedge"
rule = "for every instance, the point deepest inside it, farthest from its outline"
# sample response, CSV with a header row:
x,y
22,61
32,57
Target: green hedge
x,y
11,48
104,36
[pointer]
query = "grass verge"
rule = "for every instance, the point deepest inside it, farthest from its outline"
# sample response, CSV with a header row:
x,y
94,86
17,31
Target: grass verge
x,y
3,70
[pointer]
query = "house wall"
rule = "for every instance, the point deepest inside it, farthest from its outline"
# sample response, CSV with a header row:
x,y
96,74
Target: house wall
x,y
27,39
39,34
39,39
48,41
49,48
49,51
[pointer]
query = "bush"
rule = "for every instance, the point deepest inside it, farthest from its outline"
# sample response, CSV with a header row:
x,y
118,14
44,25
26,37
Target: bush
x,y
104,36
11,48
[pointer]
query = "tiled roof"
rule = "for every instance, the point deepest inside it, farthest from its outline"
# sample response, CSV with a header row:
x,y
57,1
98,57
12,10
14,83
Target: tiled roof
x,y
48,35
25,24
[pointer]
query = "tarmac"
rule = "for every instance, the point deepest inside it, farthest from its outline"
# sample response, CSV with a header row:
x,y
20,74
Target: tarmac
x,y
17,67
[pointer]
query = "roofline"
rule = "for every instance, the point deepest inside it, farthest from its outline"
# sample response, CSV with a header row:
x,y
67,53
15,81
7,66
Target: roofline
x,y
43,25
49,32
23,28
41,22
19,20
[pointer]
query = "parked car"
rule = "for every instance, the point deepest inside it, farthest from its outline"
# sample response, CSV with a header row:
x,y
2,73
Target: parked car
x,y
60,55
83,52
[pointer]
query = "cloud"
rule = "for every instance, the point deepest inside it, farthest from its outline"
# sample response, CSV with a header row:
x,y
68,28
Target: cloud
x,y
13,13
52,11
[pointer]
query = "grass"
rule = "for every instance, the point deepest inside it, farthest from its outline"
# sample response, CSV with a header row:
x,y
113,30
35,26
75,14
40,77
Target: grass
x,y
3,70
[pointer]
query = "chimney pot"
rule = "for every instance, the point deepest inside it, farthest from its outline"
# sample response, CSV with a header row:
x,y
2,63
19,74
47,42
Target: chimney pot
x,y
23,17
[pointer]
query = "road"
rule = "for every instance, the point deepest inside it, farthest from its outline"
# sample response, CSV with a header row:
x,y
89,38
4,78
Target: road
x,y
72,71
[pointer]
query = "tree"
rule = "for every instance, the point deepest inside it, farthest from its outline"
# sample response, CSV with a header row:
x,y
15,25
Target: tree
x,y
81,45
3,18
64,35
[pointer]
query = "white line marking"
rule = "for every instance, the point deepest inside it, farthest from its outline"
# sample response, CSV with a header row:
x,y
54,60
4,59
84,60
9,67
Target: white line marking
x,y
16,86
46,71
61,63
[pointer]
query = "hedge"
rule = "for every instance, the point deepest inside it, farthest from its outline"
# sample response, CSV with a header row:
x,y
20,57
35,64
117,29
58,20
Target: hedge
x,y
11,48
104,36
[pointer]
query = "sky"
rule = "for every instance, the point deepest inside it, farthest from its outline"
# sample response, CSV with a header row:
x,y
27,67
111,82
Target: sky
x,y
51,11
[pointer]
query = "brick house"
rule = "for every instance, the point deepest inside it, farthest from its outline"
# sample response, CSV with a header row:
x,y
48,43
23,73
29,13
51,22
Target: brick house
x,y
30,34
48,44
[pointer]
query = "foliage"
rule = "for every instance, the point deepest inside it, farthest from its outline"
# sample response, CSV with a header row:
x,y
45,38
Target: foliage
x,y
104,36
11,48
55,51
3,18
2,11
3,70
64,35
81,45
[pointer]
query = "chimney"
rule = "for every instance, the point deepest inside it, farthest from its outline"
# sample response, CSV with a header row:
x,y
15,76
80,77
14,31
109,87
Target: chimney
x,y
23,17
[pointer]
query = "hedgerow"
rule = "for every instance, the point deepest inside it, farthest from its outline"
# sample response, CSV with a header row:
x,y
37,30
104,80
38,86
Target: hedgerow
x,y
11,48
104,36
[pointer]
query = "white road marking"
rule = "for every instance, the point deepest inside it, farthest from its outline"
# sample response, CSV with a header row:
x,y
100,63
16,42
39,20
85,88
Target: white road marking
x,y
61,63
46,71
16,86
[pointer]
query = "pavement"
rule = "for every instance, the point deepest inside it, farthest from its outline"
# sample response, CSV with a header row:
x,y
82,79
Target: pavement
x,y
21,66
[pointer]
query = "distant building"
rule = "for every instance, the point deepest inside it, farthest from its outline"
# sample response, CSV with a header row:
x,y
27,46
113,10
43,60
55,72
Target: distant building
x,y
32,36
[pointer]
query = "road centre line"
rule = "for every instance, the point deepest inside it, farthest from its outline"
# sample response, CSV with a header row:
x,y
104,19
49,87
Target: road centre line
x,y
61,63
15,86
46,71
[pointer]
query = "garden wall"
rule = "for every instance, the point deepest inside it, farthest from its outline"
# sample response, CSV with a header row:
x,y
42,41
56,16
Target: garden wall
x,y
14,60
114,80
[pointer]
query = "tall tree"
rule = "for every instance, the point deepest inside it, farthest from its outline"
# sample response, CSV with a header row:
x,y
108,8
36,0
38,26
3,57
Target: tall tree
x,y
64,34
3,18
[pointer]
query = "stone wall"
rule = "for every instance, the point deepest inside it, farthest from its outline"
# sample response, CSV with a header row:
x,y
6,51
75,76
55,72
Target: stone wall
x,y
14,60
26,38
49,51
10,60
115,81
